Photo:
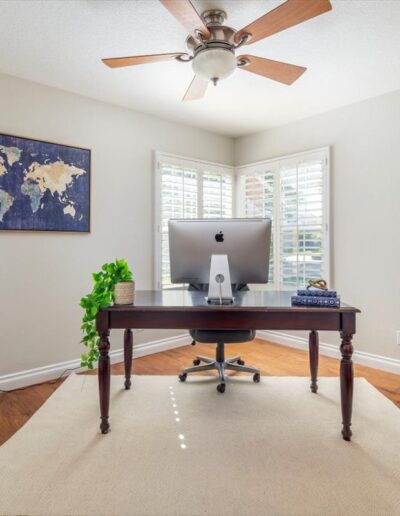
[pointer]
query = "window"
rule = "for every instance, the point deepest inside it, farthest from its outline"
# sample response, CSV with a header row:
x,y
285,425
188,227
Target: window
x,y
187,189
293,191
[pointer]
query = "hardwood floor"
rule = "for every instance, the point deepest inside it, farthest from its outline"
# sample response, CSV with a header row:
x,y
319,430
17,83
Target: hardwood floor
x,y
273,360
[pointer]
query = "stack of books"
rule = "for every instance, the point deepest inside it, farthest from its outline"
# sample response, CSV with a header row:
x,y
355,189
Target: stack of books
x,y
316,297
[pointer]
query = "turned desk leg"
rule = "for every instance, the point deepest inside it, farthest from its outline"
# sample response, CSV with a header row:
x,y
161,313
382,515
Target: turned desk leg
x,y
313,349
128,348
104,381
346,383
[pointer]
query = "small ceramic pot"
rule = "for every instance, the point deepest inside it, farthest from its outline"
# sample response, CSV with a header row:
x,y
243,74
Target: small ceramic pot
x,y
124,293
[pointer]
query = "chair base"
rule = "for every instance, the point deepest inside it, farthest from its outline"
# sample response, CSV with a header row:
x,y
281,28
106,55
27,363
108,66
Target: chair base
x,y
221,365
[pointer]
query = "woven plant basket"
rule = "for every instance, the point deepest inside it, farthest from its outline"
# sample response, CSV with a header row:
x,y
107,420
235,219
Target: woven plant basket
x,y
124,293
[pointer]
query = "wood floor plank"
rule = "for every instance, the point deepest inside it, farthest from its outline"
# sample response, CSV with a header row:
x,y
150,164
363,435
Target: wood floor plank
x,y
273,360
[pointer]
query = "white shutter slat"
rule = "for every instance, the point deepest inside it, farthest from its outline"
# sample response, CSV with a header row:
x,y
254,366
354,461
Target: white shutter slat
x,y
181,188
257,191
301,234
217,194
178,200
301,199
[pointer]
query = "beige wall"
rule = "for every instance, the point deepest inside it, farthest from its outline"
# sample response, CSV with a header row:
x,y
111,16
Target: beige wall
x,y
365,191
43,276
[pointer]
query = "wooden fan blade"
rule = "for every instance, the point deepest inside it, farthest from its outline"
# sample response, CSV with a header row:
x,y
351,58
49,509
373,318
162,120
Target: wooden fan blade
x,y
275,70
187,16
197,89
284,16
118,62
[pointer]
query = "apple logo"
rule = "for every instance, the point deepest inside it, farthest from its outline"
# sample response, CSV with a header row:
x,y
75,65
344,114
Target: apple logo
x,y
219,237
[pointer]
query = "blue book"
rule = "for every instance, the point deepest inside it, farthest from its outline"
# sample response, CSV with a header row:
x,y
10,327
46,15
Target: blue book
x,y
316,301
317,292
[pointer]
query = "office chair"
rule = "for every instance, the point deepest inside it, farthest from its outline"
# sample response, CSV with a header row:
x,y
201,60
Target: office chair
x,y
220,337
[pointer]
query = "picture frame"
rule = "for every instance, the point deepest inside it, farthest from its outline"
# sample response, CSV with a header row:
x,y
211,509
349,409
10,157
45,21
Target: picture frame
x,y
44,186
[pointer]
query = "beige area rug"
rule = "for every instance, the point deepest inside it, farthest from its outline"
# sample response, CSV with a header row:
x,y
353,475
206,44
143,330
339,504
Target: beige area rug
x,y
259,449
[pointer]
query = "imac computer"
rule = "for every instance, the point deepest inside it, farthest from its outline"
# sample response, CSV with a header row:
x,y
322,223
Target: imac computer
x,y
219,253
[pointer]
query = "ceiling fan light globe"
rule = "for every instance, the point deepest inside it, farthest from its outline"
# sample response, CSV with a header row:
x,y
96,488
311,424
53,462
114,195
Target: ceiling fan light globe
x,y
214,63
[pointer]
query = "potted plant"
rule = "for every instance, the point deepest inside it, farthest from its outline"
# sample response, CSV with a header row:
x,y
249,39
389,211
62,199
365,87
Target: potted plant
x,y
113,284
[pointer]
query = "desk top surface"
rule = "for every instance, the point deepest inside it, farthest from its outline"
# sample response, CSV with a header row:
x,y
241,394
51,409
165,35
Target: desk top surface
x,y
195,300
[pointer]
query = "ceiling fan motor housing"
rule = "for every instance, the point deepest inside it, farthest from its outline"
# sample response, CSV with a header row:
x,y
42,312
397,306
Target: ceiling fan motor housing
x,y
220,35
214,57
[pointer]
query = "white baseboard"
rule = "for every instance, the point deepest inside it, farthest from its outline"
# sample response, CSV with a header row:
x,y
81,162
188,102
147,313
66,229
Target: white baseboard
x,y
43,374
12,381
391,365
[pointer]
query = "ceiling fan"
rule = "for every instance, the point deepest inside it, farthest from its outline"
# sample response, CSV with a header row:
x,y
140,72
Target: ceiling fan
x,y
212,45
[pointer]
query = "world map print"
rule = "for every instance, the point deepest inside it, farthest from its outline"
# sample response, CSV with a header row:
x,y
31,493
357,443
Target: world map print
x,y
43,186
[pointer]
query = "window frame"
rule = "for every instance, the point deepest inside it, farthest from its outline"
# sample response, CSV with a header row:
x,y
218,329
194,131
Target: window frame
x,y
274,165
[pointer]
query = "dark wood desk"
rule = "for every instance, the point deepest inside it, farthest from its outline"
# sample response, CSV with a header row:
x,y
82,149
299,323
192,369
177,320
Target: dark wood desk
x,y
259,310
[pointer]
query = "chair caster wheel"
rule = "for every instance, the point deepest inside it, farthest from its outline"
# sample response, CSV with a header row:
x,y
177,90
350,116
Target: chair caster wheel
x,y
193,343
256,378
182,377
240,362
196,361
221,388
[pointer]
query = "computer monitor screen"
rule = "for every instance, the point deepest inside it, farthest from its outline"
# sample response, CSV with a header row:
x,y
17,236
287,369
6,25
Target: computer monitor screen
x,y
246,242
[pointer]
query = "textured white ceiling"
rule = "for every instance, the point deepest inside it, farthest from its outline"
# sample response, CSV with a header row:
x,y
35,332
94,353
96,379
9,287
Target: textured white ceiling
x,y
352,53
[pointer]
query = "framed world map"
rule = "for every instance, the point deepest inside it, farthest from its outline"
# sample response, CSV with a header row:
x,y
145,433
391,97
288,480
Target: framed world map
x,y
43,186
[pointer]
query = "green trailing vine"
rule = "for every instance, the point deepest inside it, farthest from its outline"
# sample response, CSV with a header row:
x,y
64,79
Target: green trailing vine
x,y
101,296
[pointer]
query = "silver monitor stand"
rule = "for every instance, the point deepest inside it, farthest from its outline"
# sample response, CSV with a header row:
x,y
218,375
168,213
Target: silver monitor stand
x,y
219,285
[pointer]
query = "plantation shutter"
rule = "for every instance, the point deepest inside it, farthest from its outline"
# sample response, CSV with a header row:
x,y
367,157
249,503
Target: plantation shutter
x,y
188,189
294,193
302,225
258,201
178,200
217,195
